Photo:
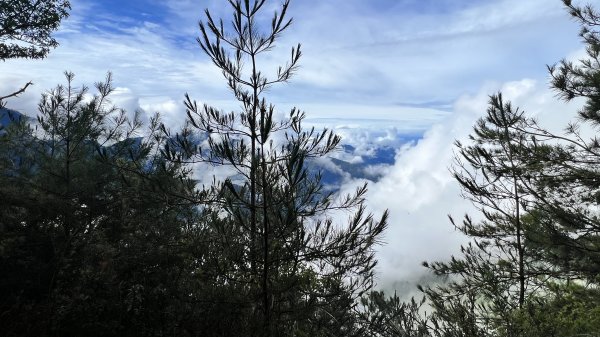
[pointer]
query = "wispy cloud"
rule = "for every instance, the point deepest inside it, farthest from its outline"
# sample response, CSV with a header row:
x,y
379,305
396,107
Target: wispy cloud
x,y
370,54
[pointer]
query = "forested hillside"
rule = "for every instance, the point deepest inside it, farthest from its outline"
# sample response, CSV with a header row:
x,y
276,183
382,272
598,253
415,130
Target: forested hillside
x,y
106,228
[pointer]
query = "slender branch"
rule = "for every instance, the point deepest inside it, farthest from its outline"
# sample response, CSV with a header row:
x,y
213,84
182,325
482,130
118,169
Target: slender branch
x,y
15,94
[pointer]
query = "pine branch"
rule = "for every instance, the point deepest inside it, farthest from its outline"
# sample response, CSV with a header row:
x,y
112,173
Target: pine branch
x,y
14,94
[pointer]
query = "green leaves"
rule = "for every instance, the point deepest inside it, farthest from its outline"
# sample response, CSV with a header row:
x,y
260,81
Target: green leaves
x,y
26,27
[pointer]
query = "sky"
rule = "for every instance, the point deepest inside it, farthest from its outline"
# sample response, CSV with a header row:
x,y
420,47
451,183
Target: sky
x,y
375,71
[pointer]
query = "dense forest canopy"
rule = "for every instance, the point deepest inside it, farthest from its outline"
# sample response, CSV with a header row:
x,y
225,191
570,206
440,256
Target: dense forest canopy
x,y
106,230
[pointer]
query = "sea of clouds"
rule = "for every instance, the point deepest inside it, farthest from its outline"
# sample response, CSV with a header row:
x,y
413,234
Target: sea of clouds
x,y
411,81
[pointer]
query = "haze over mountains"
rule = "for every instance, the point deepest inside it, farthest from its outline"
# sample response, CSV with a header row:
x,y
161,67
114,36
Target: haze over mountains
x,y
352,161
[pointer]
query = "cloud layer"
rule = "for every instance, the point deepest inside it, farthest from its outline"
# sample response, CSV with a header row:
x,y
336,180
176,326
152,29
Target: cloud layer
x,y
420,192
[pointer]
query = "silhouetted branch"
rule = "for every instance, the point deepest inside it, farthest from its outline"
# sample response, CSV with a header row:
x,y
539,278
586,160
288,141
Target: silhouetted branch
x,y
14,94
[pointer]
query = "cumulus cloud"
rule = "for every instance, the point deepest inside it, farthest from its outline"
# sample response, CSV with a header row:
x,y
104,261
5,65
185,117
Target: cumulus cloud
x,y
420,192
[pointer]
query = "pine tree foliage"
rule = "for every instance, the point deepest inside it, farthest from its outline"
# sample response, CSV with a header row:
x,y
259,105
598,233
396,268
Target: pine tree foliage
x,y
92,240
570,213
388,316
537,192
26,27
105,233
496,272
273,219
492,181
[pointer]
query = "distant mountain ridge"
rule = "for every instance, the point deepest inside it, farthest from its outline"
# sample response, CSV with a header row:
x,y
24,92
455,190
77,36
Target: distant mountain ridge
x,y
333,174
359,169
8,116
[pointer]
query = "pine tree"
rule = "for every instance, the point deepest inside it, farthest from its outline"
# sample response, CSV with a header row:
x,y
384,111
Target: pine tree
x,y
570,188
93,240
546,235
500,171
389,316
531,268
272,220
26,27
495,271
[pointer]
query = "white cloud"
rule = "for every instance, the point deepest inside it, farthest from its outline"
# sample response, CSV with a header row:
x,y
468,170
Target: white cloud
x,y
401,55
393,54
420,192
170,111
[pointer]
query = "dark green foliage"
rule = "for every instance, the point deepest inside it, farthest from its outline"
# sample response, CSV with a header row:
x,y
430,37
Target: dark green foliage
x,y
94,238
568,190
532,266
111,238
299,269
490,172
495,273
565,310
26,27
388,316
104,233
582,79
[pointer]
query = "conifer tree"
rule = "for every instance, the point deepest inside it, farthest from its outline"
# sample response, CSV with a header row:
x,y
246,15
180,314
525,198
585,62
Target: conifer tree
x,y
389,316
495,270
547,234
92,240
570,189
531,268
272,219
26,27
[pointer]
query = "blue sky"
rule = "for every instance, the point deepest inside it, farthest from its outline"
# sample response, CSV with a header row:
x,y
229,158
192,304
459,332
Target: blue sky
x,y
383,55
376,71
